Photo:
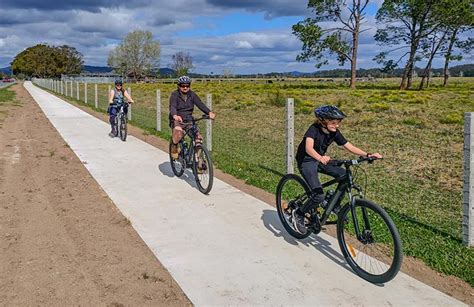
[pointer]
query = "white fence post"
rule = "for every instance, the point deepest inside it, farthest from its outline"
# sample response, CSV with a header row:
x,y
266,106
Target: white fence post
x,y
85,92
96,98
130,106
290,135
71,93
468,190
209,124
158,110
65,88
77,87
62,88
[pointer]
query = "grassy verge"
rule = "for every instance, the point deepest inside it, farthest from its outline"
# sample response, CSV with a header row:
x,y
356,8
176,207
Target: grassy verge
x,y
420,134
7,99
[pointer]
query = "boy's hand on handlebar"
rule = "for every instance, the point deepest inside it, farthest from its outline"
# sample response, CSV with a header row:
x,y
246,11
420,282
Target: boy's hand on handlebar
x,y
177,118
325,159
212,115
375,155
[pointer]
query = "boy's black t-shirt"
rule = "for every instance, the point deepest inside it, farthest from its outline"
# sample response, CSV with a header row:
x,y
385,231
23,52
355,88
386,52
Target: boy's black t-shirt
x,y
321,141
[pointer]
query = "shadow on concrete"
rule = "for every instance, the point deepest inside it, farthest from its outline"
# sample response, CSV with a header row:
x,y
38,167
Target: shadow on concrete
x,y
188,177
272,222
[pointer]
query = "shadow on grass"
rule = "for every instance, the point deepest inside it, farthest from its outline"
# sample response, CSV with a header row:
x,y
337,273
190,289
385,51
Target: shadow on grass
x,y
408,219
271,170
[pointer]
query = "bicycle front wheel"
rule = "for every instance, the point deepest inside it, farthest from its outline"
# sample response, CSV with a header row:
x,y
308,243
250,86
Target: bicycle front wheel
x,y
123,128
177,165
292,192
369,241
202,169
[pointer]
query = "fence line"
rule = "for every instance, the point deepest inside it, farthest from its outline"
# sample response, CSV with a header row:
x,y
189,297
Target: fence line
x,y
290,135
158,110
468,188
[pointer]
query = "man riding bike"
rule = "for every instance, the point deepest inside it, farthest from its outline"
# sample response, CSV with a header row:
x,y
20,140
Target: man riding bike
x,y
117,95
182,102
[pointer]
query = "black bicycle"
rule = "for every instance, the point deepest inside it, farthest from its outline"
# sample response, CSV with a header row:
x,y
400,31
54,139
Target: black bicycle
x,y
367,236
194,155
121,119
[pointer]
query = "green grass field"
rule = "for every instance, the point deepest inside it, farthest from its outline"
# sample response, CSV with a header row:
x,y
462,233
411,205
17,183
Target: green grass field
x,y
420,135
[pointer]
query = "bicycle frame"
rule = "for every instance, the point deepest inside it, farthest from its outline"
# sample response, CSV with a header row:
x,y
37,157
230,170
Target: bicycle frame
x,y
190,132
345,185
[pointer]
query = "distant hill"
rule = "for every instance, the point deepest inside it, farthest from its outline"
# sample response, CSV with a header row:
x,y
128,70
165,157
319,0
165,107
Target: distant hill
x,y
96,69
466,69
6,70
106,69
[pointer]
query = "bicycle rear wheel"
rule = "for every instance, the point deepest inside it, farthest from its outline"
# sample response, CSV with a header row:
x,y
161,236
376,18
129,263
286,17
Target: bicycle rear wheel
x,y
123,128
292,192
202,169
369,241
177,165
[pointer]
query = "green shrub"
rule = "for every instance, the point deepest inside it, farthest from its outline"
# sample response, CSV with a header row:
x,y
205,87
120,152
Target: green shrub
x,y
413,122
452,118
417,100
379,107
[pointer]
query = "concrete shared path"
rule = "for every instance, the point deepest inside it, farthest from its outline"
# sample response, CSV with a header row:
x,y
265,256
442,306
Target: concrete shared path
x,y
227,248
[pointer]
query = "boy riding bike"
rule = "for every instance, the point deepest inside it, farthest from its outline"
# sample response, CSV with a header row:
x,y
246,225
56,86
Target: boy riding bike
x,y
117,95
311,157
182,102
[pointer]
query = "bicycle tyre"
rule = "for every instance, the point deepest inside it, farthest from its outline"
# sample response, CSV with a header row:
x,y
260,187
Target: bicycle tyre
x,y
177,166
289,186
381,251
204,173
116,125
123,128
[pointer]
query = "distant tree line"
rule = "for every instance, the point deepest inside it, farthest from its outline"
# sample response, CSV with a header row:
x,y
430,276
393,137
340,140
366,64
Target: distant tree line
x,y
45,61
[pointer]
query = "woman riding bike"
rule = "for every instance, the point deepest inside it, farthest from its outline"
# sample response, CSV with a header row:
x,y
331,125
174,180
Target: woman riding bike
x,y
117,95
311,157
182,102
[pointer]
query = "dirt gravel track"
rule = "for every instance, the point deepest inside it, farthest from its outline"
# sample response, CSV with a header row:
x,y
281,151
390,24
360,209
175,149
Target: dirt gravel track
x,y
63,242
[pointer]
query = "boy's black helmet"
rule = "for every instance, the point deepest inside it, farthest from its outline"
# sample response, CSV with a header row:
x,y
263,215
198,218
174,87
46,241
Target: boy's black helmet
x,y
329,112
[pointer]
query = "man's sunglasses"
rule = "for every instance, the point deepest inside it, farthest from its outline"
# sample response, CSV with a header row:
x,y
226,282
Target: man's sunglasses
x,y
184,85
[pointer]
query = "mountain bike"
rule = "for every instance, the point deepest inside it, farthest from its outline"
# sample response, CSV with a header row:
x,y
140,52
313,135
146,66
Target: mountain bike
x,y
367,236
121,120
194,155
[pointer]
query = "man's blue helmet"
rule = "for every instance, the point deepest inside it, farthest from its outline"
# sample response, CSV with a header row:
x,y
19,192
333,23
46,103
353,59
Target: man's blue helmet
x,y
118,82
329,112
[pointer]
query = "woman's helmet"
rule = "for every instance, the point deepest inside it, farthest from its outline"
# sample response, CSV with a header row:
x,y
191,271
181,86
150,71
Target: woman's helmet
x,y
184,80
118,82
328,112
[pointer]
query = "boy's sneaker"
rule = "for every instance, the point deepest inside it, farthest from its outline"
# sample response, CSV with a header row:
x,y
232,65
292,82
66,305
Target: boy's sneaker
x,y
112,134
298,222
174,151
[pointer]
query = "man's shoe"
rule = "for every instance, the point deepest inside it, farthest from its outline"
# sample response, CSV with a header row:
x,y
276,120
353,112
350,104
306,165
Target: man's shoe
x,y
298,222
112,134
174,151
202,167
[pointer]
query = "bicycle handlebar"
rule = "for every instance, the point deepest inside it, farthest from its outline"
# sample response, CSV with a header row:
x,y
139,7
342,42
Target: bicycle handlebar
x,y
193,120
353,161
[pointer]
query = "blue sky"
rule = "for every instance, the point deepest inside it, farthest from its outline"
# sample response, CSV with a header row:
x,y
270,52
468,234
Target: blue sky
x,y
238,36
